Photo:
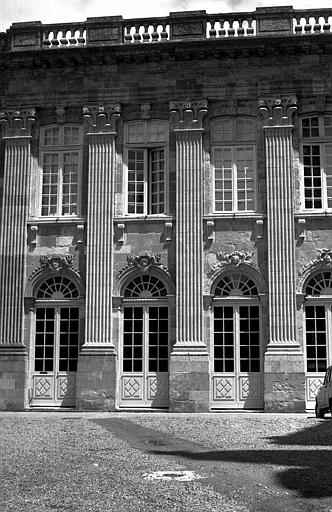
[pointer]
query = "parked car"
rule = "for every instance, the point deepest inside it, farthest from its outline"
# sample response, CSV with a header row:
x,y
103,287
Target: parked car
x,y
324,395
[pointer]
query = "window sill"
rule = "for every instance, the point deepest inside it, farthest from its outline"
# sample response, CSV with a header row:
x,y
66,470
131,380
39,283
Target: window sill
x,y
56,220
141,218
314,213
235,215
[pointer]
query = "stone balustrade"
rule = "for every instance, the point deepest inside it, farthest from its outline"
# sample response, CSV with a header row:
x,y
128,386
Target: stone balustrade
x,y
184,26
54,36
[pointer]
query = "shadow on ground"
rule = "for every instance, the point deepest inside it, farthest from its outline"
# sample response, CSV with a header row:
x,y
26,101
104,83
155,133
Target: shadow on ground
x,y
305,470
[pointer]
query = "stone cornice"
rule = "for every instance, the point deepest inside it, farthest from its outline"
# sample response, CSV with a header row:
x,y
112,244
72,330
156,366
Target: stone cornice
x,y
188,115
101,119
277,111
17,122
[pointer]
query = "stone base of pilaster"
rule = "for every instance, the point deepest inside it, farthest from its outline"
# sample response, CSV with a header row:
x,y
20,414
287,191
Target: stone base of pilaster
x,y
189,382
96,380
13,376
284,380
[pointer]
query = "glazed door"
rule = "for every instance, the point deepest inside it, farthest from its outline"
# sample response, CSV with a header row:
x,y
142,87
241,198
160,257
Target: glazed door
x,y
144,357
236,358
318,336
55,356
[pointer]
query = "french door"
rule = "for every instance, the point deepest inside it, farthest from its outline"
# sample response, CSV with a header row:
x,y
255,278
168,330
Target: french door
x,y
318,341
236,357
144,357
55,351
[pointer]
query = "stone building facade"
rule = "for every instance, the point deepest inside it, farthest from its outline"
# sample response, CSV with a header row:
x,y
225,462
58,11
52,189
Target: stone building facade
x,y
166,212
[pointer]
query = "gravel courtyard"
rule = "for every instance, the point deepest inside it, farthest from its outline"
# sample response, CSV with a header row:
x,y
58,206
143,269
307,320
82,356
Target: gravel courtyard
x,y
100,461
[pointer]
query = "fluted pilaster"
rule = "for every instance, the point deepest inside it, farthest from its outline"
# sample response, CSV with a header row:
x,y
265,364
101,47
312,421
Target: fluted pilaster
x,y
17,168
101,134
280,211
187,123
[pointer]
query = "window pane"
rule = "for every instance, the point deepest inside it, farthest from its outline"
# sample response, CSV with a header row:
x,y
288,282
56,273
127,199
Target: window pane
x,y
312,176
136,183
157,185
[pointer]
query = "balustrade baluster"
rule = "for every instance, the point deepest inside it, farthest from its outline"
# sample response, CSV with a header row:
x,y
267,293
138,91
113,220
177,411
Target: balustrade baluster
x,y
222,31
307,26
250,29
128,37
164,34
81,38
146,35
317,26
231,30
326,24
137,35
63,39
298,26
54,40
212,31
72,38
155,35
240,30
46,41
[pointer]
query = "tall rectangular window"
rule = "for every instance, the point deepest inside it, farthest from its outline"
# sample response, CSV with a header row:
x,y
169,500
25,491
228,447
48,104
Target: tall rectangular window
x,y
60,162
145,159
234,163
234,179
316,135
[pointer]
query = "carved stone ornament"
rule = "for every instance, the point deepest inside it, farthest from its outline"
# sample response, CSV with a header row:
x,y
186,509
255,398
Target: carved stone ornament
x,y
146,111
235,259
17,123
188,115
57,263
60,115
101,119
325,256
143,262
277,111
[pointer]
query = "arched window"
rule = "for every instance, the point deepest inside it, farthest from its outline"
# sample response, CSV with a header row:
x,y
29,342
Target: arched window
x,y
57,287
235,284
320,284
145,286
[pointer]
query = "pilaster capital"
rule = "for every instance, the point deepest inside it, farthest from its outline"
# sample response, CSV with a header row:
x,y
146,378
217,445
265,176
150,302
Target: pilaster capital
x,y
188,115
277,111
17,122
100,118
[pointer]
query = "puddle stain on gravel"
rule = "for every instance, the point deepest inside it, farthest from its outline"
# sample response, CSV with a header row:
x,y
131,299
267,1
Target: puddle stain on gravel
x,y
179,476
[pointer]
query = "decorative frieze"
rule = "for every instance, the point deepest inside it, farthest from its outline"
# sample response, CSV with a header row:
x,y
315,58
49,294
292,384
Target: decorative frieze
x,y
101,119
18,122
278,111
188,115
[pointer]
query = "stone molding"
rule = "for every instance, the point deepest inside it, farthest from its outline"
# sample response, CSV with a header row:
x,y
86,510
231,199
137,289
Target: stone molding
x,y
101,119
188,114
18,122
277,111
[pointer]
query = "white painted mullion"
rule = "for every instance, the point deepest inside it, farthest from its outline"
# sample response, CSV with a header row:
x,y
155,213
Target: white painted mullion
x,y
147,181
234,180
60,183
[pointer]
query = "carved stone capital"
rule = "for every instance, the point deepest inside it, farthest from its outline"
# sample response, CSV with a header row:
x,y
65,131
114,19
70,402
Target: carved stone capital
x,y
17,123
277,111
188,115
101,119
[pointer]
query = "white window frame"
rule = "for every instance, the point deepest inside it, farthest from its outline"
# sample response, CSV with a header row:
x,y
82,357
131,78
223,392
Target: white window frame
x,y
322,141
225,133
235,179
145,144
60,149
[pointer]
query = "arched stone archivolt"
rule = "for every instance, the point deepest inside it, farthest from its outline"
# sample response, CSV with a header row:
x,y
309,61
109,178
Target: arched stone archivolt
x,y
50,267
322,264
249,270
143,265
